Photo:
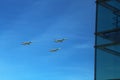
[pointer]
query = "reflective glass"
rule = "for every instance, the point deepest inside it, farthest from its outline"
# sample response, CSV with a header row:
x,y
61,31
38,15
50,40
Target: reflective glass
x,y
107,65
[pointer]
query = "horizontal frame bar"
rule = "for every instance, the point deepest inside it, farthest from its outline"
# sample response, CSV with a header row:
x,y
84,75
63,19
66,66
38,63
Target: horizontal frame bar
x,y
116,53
108,31
115,10
107,45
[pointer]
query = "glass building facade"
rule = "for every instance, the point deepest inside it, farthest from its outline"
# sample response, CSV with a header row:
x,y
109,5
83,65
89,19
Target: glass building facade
x,y
107,40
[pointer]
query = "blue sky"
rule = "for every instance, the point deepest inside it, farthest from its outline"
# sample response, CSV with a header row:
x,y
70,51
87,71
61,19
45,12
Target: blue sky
x,y
43,21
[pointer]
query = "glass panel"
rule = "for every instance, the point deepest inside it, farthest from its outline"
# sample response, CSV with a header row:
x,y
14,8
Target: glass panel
x,y
108,40
108,66
105,19
115,3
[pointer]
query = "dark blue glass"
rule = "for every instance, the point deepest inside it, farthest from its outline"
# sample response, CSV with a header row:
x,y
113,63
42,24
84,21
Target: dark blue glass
x,y
107,50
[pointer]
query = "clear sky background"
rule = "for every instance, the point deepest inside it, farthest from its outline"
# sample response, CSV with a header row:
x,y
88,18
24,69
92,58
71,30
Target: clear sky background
x,y
43,21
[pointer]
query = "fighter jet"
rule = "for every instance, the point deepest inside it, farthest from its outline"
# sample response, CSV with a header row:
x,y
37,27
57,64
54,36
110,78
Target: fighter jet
x,y
60,40
26,43
54,50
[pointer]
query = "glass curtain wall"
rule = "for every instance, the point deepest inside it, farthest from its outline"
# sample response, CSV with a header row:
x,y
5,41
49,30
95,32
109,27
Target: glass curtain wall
x,y
107,43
